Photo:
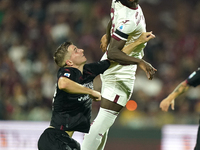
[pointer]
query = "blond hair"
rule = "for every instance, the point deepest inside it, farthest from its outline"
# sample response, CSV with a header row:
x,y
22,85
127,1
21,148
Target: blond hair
x,y
61,53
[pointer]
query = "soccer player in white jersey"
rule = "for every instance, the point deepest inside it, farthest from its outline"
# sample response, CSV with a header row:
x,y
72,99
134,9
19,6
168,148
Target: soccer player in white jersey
x,y
126,25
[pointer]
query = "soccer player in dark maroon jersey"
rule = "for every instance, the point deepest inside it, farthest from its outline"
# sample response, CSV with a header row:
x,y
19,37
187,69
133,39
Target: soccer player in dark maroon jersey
x,y
71,110
193,80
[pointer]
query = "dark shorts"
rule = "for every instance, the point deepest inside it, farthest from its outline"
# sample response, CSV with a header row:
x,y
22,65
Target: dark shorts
x,y
53,139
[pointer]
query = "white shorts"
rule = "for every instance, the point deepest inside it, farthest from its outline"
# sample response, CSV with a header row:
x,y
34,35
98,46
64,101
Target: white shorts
x,y
118,91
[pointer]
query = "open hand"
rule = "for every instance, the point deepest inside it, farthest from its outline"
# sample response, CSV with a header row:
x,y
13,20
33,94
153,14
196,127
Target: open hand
x,y
165,103
148,69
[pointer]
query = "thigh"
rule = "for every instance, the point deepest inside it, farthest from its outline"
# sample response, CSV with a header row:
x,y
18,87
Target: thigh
x,y
52,139
117,91
107,104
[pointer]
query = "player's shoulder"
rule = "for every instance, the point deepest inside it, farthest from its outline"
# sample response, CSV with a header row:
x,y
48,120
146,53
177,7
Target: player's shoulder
x,y
67,72
198,71
194,73
65,69
128,14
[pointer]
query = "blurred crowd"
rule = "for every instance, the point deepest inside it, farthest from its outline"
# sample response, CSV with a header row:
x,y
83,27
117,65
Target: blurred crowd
x,y
31,30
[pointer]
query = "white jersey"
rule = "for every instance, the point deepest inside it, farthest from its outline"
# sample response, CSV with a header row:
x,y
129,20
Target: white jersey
x,y
127,24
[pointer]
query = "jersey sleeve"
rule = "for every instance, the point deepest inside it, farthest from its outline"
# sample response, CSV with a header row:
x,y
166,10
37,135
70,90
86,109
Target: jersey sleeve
x,y
194,78
65,72
98,68
124,28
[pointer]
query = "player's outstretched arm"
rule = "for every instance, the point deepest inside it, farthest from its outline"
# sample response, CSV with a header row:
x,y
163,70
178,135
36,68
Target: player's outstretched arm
x,y
72,87
144,37
169,100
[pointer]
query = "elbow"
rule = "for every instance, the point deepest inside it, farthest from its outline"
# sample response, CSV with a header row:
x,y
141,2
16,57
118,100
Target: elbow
x,y
62,85
110,57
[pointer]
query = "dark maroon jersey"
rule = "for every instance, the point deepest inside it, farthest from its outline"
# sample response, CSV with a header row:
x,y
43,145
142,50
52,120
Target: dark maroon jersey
x,y
194,78
72,112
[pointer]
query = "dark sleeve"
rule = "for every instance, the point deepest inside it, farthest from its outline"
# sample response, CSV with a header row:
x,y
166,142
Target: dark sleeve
x,y
66,72
194,78
98,68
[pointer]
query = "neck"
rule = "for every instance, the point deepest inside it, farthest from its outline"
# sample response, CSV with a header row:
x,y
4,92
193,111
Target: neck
x,y
129,4
80,68
133,5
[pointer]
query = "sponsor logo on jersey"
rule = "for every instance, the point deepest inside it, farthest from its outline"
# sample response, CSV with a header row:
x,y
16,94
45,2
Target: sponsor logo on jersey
x,y
84,98
121,27
125,21
89,85
67,75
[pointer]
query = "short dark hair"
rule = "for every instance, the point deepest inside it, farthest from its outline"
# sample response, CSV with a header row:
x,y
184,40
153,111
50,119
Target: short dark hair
x,y
120,0
60,53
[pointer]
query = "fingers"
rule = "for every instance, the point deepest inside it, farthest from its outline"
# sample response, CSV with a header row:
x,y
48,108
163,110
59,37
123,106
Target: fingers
x,y
165,109
96,96
103,48
172,105
150,34
103,43
151,72
97,99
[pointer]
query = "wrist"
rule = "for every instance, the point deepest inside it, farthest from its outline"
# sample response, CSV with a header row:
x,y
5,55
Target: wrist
x,y
140,61
171,97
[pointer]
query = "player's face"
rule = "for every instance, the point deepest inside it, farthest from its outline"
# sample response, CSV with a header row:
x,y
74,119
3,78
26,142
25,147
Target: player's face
x,y
77,55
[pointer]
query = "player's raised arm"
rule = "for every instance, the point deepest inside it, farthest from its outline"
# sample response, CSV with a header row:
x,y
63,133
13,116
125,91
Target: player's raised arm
x,y
144,37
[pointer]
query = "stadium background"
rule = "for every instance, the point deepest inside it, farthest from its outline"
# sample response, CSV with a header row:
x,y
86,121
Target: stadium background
x,y
31,30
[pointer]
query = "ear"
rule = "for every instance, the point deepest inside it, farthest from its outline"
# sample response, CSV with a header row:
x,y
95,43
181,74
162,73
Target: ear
x,y
69,63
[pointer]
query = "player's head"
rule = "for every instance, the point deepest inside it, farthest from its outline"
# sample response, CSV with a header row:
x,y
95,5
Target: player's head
x,y
68,54
61,54
127,2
